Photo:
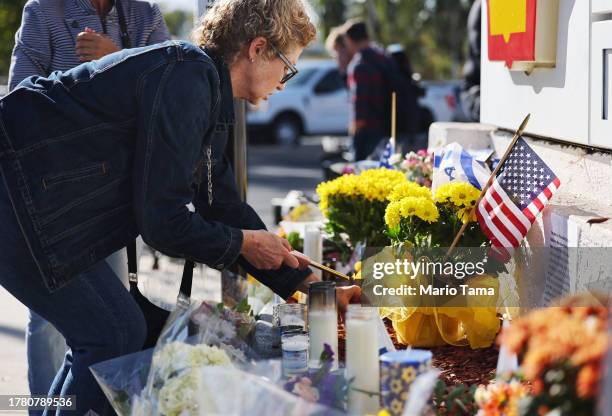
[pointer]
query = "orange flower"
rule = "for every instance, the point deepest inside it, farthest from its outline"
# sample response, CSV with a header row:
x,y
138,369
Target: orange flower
x,y
587,381
537,386
543,410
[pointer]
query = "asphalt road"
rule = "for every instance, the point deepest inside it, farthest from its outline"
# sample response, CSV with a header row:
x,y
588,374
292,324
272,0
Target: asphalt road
x,y
273,171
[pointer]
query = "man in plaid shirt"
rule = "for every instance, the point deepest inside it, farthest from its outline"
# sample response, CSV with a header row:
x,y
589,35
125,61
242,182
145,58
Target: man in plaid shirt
x,y
371,78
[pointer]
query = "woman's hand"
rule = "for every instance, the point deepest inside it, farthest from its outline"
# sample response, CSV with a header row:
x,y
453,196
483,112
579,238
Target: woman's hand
x,y
91,45
346,295
266,251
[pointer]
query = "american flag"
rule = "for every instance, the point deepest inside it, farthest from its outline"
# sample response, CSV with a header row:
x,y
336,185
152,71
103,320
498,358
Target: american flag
x,y
519,192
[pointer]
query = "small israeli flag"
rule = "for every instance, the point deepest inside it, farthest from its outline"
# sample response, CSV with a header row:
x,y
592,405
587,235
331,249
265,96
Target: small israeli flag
x,y
385,158
454,163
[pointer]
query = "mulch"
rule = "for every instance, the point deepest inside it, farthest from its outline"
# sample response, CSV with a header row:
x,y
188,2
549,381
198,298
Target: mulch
x,y
458,365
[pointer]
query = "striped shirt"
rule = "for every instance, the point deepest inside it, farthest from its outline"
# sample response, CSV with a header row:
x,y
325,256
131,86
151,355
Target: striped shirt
x,y
46,40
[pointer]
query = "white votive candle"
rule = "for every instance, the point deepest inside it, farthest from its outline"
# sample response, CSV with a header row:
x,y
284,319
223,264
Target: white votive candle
x,y
362,361
313,245
323,329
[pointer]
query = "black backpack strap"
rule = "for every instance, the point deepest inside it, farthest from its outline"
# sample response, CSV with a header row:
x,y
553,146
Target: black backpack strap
x,y
186,279
126,43
132,262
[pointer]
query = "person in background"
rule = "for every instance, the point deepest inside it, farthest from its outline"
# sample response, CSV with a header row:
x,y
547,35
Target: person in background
x,y
372,78
56,35
409,120
470,90
336,46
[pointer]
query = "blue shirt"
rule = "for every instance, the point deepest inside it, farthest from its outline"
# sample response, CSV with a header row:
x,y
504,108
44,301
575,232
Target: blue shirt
x,y
46,40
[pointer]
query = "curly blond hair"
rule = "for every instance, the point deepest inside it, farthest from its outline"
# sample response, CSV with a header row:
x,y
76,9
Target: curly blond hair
x,y
231,25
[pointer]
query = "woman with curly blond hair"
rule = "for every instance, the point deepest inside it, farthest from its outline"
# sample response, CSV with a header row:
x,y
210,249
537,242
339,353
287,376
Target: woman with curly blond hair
x,y
92,157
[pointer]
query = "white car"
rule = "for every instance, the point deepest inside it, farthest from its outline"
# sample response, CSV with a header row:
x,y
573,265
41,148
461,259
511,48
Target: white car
x,y
315,101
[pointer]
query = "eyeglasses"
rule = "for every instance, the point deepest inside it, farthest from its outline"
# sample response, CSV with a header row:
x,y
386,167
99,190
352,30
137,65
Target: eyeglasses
x,y
292,70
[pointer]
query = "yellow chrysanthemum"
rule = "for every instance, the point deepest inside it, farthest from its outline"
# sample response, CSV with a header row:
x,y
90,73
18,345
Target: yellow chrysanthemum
x,y
406,189
392,215
427,210
460,194
372,185
422,208
409,206
464,215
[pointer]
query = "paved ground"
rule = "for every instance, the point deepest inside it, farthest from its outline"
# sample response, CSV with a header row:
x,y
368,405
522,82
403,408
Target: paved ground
x,y
273,171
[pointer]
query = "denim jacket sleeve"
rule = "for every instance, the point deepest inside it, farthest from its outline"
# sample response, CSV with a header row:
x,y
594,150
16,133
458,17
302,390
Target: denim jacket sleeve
x,y
177,101
229,209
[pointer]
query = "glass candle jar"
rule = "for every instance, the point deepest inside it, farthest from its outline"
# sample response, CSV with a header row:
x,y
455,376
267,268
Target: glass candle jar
x,y
322,321
291,316
294,344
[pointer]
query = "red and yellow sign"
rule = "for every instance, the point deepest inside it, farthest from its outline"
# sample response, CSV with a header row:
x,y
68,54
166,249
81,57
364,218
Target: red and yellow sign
x,y
512,30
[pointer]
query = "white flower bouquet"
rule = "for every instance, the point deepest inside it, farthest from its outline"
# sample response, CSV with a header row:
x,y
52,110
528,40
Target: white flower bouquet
x,y
202,365
163,380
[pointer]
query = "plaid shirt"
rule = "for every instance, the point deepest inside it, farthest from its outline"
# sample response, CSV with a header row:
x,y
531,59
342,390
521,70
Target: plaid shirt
x,y
369,80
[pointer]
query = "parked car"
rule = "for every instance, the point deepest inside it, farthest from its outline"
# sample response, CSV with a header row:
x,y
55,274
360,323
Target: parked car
x,y
316,102
441,102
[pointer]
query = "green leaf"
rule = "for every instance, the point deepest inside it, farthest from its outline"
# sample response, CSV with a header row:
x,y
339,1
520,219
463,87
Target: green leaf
x,y
220,307
243,306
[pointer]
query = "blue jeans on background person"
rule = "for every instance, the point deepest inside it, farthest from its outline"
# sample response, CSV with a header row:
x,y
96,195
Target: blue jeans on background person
x,y
46,347
94,312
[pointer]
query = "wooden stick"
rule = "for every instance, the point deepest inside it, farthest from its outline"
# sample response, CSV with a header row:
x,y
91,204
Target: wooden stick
x,y
518,134
329,270
393,119
310,262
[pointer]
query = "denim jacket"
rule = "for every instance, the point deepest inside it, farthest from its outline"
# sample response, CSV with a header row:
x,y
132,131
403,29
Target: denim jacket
x,y
113,148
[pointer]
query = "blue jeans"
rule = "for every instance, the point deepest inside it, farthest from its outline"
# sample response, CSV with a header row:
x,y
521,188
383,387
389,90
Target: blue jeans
x,y
46,347
94,312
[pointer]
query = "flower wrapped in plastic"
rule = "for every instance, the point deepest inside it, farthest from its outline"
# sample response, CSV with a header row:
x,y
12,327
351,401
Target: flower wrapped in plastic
x,y
204,359
164,379
422,224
